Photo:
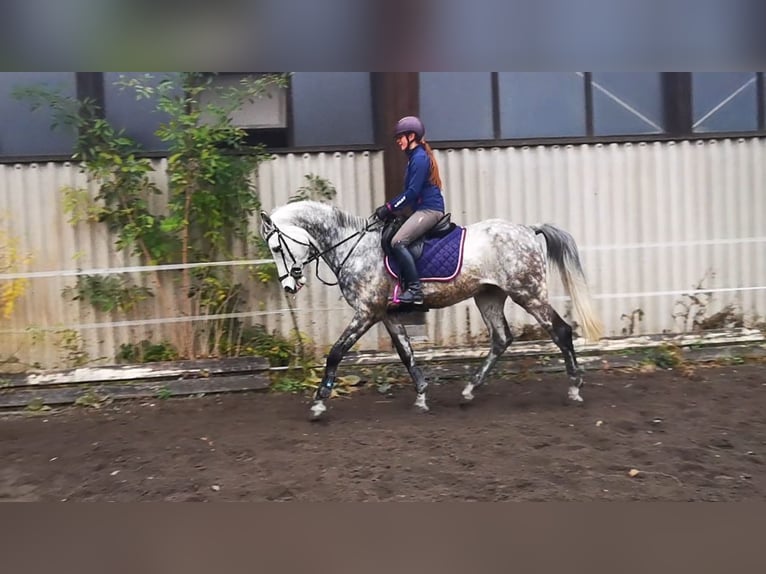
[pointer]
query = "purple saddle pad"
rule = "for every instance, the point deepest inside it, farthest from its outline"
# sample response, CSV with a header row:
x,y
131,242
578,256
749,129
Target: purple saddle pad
x,y
441,260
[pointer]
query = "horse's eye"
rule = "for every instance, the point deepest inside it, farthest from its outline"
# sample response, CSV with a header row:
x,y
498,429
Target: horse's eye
x,y
276,249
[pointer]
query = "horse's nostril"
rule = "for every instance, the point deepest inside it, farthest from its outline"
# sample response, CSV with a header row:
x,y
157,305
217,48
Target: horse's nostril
x,y
290,290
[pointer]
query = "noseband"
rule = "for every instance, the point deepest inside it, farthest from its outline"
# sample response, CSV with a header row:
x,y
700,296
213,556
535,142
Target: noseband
x,y
296,269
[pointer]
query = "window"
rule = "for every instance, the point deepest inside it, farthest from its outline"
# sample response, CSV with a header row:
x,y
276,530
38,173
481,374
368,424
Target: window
x,y
627,103
590,106
28,133
541,104
457,105
331,109
725,101
265,119
139,118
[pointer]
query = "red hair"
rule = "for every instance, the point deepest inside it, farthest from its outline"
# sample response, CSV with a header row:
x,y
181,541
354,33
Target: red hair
x,y
435,176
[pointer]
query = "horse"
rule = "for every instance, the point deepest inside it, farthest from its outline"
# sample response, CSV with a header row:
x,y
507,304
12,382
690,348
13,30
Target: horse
x,y
501,259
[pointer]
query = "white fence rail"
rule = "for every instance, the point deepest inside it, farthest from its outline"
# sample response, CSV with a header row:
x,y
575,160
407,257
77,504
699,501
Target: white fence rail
x,y
654,222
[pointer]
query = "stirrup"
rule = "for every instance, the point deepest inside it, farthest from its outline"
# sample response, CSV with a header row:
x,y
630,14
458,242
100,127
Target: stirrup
x,y
412,297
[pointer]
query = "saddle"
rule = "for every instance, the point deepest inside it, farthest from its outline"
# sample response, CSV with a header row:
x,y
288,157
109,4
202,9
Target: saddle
x,y
442,228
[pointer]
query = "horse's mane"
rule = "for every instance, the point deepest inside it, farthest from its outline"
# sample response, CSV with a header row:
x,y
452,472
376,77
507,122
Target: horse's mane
x,y
350,220
344,219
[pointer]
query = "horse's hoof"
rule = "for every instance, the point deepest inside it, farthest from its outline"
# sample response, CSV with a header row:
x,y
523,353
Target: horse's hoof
x,y
467,396
317,410
574,397
420,404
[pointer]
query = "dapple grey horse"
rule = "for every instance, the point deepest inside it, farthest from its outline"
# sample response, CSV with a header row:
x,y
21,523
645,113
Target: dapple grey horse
x,y
501,260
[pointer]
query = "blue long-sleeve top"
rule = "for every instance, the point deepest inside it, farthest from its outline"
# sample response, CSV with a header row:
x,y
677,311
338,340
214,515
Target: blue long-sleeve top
x,y
419,192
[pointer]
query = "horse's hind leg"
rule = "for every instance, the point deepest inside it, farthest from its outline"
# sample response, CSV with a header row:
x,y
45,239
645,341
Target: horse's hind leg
x,y
491,303
404,348
561,333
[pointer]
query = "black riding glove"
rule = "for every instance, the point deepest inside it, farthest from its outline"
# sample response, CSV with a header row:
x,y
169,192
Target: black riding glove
x,y
383,212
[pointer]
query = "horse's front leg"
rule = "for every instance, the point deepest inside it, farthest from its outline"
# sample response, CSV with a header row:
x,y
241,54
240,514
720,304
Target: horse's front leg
x,y
404,348
359,325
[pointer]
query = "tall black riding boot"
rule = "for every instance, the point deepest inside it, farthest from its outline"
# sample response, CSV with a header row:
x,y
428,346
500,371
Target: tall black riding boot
x,y
413,294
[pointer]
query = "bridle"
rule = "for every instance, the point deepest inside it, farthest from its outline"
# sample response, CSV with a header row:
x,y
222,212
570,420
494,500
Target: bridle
x,y
296,268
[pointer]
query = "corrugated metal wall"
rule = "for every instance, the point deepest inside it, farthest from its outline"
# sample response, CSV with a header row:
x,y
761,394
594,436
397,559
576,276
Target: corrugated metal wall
x,y
39,330
652,221
32,204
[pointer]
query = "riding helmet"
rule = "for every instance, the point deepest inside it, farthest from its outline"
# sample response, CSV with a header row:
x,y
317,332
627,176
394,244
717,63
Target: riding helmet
x,y
410,124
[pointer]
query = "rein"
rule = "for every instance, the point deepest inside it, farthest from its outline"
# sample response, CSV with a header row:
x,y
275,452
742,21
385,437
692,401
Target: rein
x,y
296,269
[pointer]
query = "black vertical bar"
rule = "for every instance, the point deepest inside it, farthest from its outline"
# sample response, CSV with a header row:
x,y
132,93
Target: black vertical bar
x,y
677,103
395,94
588,87
496,127
90,85
761,91
290,113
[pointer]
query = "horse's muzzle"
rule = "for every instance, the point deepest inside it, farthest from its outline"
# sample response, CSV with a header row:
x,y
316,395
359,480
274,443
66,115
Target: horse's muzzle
x,y
296,285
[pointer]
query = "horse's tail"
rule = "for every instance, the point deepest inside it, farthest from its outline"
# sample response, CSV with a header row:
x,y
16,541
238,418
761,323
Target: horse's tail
x,y
562,251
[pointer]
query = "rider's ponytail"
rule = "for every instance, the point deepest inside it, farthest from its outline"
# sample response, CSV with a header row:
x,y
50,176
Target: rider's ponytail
x,y
435,177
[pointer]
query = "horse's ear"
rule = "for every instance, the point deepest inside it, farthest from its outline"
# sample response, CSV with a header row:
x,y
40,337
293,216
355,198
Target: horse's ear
x,y
267,226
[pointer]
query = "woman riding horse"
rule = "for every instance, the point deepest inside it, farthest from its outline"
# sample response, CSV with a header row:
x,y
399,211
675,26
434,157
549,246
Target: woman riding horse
x,y
422,195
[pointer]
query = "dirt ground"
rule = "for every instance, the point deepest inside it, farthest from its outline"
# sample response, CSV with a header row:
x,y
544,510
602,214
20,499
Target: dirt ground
x,y
698,438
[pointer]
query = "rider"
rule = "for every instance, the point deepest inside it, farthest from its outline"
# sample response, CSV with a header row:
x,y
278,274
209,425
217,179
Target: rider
x,y
422,196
